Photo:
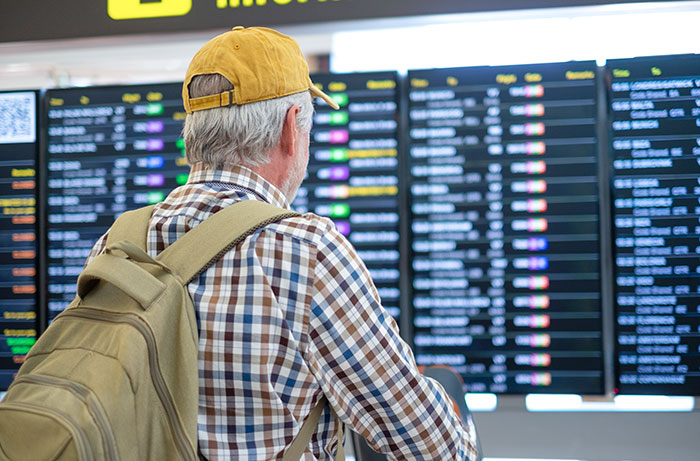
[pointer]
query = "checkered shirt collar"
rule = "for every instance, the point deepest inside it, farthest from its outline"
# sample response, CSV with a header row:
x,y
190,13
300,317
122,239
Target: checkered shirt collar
x,y
238,176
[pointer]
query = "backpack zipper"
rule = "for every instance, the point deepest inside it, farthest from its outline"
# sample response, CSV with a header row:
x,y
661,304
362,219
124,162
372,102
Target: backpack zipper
x,y
86,396
181,441
82,445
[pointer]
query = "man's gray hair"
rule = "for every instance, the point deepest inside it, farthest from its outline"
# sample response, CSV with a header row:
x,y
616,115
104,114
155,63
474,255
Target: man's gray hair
x,y
238,134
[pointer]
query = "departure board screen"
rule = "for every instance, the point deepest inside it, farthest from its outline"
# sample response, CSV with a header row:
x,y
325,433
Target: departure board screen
x,y
353,174
110,149
505,226
655,125
18,230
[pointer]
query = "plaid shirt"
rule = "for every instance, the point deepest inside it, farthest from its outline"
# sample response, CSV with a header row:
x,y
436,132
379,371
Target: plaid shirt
x,y
287,316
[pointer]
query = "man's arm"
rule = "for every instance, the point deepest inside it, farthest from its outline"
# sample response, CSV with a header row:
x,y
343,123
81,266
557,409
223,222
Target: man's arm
x,y
368,372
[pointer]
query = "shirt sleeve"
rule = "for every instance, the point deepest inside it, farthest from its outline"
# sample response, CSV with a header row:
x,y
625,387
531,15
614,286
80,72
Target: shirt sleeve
x,y
368,372
97,249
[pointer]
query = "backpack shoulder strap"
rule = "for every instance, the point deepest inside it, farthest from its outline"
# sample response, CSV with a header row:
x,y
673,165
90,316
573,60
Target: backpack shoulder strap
x,y
198,249
132,226
296,450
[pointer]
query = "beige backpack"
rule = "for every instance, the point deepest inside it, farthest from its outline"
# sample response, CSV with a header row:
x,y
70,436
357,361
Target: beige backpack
x,y
114,377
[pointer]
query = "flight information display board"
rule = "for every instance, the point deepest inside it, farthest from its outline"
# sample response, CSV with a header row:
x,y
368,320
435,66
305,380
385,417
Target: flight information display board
x,y
655,125
353,173
505,227
18,230
110,149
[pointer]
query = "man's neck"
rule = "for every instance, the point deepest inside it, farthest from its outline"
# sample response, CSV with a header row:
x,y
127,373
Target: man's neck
x,y
277,170
270,173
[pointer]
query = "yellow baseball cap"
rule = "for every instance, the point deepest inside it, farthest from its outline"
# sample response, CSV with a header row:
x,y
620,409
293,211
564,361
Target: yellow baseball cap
x,y
260,63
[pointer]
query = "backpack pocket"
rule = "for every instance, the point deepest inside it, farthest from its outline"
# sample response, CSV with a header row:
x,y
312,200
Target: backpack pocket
x,y
29,431
82,399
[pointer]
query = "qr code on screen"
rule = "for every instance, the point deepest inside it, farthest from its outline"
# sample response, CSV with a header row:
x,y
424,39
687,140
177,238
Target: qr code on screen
x,y
17,117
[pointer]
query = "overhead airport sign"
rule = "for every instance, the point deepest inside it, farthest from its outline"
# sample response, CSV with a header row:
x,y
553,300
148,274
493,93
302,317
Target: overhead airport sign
x,y
57,19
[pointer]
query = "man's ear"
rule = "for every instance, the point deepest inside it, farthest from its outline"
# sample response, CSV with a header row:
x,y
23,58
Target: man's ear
x,y
288,141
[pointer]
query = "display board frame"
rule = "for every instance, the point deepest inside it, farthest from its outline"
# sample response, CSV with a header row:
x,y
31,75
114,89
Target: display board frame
x,y
38,179
655,72
604,314
45,159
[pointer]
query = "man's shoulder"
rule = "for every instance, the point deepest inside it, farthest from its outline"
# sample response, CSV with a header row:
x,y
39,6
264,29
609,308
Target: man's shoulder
x,y
307,227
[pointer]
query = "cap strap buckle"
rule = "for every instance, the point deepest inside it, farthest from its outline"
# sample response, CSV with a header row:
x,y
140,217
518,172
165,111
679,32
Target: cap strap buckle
x,y
213,101
226,98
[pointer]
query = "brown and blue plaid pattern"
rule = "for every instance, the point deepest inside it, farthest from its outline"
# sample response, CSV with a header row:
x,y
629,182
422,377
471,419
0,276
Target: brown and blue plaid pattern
x,y
287,316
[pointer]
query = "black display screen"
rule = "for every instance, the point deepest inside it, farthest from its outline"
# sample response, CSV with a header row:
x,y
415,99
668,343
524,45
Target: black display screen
x,y
117,148
18,230
505,226
655,130
353,173
110,149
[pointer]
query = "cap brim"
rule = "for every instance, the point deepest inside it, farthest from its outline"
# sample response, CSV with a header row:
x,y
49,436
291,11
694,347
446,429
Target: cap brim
x,y
320,94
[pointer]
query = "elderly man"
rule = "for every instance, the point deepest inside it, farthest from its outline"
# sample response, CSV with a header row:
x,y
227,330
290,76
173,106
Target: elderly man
x,y
291,313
